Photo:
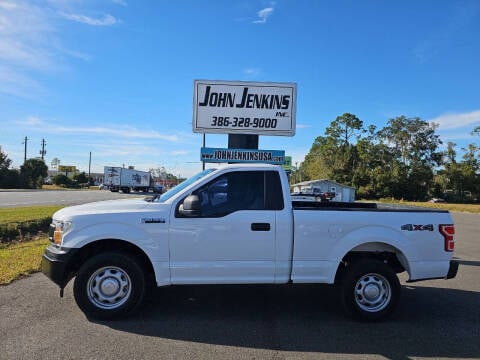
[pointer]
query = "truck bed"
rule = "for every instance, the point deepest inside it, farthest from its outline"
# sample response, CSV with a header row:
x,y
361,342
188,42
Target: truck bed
x,y
359,206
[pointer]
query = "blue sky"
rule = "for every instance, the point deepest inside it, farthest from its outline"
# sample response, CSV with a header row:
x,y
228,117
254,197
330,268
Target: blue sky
x,y
115,77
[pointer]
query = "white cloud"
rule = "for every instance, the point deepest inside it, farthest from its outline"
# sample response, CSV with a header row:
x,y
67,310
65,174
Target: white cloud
x,y
18,84
27,56
120,2
303,126
78,55
457,120
30,45
252,71
106,20
263,15
33,122
126,132
7,5
25,37
458,137
124,151
179,152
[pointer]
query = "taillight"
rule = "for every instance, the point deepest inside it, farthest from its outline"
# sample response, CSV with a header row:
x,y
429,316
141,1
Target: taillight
x,y
448,232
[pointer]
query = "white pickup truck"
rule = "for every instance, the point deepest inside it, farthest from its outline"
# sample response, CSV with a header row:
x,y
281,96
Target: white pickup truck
x,y
237,225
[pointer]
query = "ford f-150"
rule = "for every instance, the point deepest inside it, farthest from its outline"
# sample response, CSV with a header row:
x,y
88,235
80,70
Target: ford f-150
x,y
236,225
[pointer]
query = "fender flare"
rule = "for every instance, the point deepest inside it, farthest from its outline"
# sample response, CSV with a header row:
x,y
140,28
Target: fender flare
x,y
371,237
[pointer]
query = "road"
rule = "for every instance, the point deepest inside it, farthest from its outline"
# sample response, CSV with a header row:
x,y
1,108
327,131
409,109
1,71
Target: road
x,y
435,319
58,197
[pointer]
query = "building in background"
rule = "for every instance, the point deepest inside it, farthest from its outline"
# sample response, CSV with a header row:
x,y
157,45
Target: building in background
x,y
343,193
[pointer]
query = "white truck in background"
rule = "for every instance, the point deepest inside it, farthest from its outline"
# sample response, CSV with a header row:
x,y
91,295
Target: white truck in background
x,y
126,180
238,225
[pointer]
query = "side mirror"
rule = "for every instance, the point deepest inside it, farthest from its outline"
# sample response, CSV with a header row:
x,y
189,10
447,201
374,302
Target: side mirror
x,y
190,206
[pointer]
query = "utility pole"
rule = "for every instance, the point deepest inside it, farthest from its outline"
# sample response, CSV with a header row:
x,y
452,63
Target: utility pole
x,y
43,151
25,154
203,162
89,165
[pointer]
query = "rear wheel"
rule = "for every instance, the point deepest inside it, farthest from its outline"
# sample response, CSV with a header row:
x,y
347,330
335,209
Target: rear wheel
x,y
109,285
370,290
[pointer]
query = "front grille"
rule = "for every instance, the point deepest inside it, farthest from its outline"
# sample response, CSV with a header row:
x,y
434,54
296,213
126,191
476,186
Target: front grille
x,y
51,231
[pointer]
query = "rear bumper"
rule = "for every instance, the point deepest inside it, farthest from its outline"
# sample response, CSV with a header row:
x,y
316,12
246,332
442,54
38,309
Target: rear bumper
x,y
453,269
56,264
452,272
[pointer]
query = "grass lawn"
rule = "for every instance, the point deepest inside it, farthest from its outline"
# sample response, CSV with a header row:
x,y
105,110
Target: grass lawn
x,y
22,258
57,187
19,258
23,214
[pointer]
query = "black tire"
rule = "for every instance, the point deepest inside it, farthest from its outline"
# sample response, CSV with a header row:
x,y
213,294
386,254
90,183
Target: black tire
x,y
109,285
369,290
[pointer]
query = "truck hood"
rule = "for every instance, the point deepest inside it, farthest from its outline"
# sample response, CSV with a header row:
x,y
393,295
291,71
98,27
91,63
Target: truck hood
x,y
107,207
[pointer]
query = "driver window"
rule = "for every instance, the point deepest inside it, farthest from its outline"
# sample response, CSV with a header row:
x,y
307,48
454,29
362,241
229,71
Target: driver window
x,y
241,190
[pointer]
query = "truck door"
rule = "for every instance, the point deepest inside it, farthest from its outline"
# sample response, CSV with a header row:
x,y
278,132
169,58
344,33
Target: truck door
x,y
232,240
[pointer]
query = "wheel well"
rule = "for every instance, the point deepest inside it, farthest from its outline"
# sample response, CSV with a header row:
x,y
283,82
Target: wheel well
x,y
105,245
389,257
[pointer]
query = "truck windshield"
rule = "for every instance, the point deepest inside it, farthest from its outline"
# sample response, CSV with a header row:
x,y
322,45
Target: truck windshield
x,y
175,190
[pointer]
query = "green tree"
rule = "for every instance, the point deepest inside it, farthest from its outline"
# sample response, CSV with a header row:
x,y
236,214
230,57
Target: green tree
x,y
470,171
81,178
63,180
396,161
414,146
9,178
5,162
460,177
334,156
344,127
33,171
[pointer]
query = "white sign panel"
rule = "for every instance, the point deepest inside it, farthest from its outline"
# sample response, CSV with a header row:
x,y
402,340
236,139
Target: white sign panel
x,y
237,107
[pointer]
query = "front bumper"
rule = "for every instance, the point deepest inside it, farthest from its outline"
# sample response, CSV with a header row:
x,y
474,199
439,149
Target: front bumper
x,y
57,264
453,269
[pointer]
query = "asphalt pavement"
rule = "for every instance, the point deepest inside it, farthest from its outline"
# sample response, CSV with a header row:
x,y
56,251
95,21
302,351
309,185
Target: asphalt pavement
x,y
18,198
435,319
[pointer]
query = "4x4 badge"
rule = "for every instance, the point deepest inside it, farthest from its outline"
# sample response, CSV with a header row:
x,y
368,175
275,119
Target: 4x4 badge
x,y
412,227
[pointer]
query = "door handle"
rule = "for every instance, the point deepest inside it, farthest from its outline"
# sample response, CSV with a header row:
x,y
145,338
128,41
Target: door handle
x,y
260,227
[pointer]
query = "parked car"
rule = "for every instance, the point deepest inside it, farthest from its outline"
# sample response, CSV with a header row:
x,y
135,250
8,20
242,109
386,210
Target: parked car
x,y
437,200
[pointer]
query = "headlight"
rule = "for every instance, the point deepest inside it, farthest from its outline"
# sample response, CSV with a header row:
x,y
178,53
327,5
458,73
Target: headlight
x,y
61,228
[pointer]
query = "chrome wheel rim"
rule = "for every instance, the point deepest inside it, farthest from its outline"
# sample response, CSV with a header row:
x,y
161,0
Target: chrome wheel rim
x,y
109,287
372,292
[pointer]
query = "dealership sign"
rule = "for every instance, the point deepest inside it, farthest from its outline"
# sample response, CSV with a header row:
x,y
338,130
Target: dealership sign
x,y
67,168
219,155
237,107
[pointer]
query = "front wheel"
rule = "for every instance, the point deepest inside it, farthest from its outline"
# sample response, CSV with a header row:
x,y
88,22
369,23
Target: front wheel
x,y
370,290
109,285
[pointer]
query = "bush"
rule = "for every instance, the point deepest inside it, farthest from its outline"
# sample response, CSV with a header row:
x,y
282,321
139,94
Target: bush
x,y
63,180
25,229
10,179
33,171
